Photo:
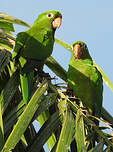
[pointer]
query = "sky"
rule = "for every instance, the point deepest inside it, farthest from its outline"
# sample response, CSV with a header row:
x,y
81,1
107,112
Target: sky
x,y
88,21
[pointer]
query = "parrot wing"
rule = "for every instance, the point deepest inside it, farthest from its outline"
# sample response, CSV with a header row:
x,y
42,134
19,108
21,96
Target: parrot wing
x,y
27,77
97,82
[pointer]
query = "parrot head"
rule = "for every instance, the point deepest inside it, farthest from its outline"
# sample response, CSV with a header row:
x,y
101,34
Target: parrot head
x,y
51,19
80,51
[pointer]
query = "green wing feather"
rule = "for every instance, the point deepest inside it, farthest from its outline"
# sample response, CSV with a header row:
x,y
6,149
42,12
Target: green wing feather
x,y
20,41
96,78
26,79
26,83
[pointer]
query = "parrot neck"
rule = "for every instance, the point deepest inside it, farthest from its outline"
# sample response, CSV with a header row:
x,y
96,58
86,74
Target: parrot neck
x,y
41,30
84,60
88,61
42,27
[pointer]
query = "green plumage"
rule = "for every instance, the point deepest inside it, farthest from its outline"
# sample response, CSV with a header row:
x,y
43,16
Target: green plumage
x,y
33,47
85,80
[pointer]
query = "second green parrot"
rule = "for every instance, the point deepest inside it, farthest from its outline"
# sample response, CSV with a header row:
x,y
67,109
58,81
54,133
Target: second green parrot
x,y
34,46
84,78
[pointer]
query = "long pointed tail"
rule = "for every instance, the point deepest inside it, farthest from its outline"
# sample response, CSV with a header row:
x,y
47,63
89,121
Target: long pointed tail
x,y
26,85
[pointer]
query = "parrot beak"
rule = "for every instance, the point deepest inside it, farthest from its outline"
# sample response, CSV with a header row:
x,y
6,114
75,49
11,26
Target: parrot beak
x,y
77,51
57,22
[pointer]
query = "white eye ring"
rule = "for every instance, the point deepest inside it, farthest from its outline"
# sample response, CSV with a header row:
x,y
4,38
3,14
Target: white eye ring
x,y
49,15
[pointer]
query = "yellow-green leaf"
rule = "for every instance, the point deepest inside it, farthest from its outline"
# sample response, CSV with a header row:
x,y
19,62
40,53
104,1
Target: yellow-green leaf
x,y
7,18
6,26
79,132
66,133
24,119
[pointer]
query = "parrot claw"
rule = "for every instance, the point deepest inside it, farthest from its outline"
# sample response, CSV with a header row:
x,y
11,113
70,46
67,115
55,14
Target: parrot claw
x,y
84,109
54,78
48,77
44,75
41,73
69,92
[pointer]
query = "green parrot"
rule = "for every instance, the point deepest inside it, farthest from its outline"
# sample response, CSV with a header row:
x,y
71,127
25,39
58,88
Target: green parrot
x,y
34,46
85,80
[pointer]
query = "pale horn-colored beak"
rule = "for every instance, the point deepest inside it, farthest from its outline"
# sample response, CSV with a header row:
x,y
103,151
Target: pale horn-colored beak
x,y
77,51
57,22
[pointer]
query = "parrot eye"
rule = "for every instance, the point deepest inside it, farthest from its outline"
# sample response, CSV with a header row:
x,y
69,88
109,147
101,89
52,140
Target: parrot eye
x,y
85,46
49,15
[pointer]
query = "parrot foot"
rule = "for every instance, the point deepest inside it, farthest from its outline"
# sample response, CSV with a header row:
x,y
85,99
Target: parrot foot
x,y
84,109
54,78
45,75
69,92
41,73
49,78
